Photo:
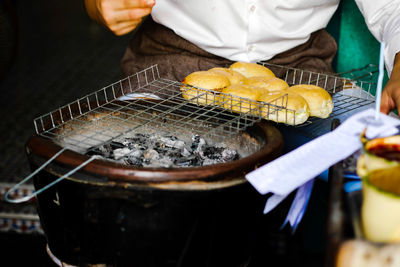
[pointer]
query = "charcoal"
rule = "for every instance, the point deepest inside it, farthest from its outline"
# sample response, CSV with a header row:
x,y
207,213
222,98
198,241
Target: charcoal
x,y
185,152
172,142
151,154
174,153
144,150
121,152
137,162
115,145
136,153
161,150
229,154
195,141
207,161
105,151
192,160
143,147
212,152
163,162
173,138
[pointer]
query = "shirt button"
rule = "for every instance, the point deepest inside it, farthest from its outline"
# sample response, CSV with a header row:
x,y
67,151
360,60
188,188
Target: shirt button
x,y
252,8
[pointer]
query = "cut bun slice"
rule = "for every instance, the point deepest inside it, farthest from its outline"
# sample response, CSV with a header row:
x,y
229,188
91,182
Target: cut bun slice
x,y
213,82
285,107
233,76
251,69
318,99
241,99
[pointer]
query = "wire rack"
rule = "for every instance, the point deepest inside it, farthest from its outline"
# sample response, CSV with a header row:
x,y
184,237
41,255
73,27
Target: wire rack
x,y
350,90
145,101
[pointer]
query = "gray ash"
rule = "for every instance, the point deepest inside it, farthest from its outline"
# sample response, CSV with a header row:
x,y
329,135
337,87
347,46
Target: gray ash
x,y
145,150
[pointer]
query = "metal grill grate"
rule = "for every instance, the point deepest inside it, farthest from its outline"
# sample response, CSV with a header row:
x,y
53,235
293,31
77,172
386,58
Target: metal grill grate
x,y
145,100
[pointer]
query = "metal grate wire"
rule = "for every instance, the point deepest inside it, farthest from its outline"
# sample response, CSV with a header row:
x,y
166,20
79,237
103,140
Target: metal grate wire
x,y
146,100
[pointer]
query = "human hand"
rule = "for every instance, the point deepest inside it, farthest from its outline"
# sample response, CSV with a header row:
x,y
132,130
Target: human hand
x,y
119,16
391,93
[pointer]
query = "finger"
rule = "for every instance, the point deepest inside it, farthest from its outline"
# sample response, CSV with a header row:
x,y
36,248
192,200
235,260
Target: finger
x,y
397,101
125,4
386,102
124,27
126,15
125,30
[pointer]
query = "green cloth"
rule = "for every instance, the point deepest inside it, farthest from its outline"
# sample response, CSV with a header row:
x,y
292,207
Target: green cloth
x,y
357,47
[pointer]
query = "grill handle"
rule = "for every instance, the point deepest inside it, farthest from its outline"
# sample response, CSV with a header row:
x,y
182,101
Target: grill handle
x,y
30,176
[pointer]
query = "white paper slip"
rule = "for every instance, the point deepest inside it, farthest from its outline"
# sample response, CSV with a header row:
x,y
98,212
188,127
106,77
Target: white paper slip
x,y
295,168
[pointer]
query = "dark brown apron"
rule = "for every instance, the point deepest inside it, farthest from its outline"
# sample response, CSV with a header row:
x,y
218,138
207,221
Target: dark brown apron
x,y
176,58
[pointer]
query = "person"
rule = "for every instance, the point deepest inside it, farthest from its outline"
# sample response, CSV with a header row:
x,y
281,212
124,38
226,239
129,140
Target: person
x,y
186,36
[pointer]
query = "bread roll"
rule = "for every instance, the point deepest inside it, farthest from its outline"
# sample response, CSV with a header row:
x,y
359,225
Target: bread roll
x,y
251,69
359,253
318,99
211,81
296,111
272,84
241,99
233,76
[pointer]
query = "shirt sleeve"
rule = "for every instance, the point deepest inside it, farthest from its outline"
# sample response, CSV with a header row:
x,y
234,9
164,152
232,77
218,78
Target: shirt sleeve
x,y
383,20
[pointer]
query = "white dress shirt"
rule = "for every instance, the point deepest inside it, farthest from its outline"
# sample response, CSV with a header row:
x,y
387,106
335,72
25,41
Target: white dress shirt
x,y
256,30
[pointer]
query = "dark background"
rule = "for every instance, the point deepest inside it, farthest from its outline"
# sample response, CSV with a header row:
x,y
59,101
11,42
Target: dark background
x,y
51,54
61,55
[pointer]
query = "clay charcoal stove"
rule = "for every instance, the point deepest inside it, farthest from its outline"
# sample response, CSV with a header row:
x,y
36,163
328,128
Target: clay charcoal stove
x,y
169,170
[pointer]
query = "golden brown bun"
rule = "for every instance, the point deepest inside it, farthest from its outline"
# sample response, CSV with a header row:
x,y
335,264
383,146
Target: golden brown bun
x,y
204,80
272,84
318,99
240,98
359,253
233,76
251,69
296,111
